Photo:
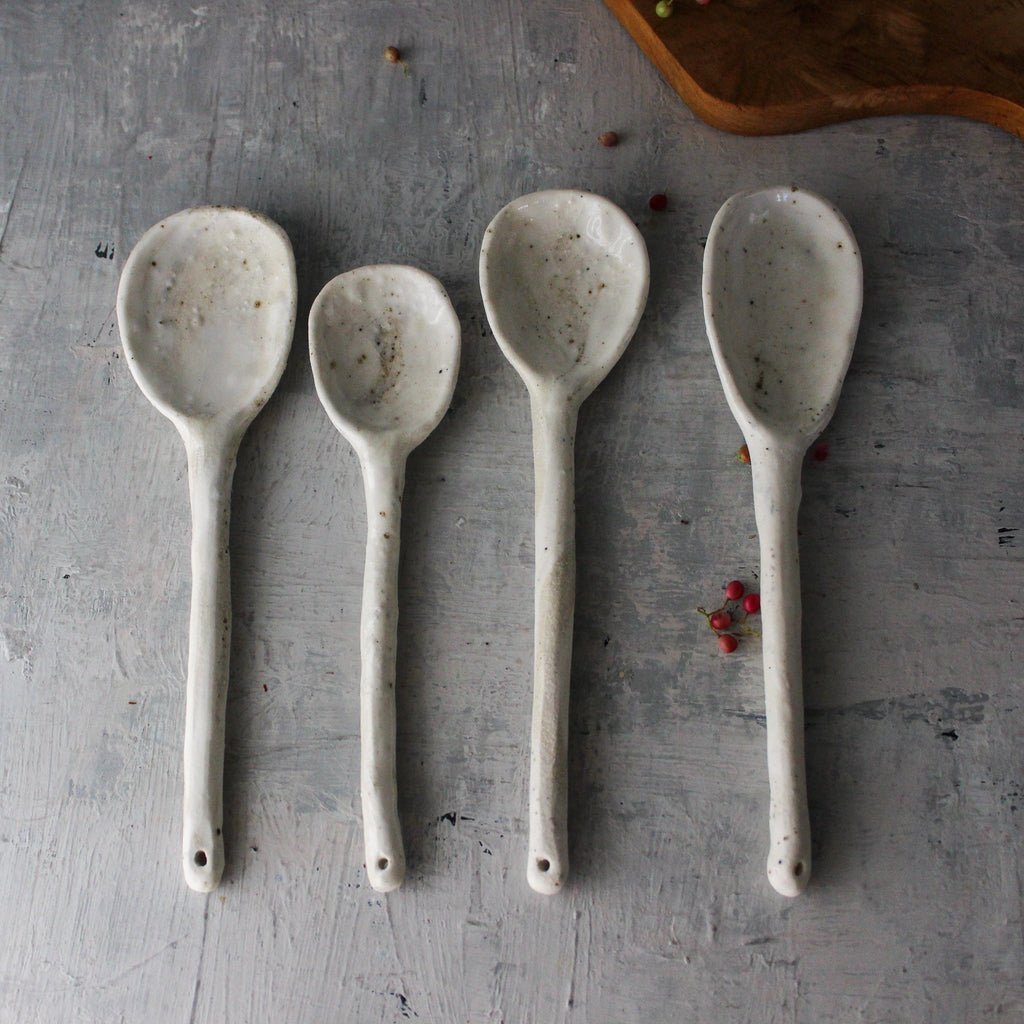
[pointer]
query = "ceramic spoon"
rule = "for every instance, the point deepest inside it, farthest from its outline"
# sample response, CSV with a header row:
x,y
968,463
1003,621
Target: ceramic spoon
x,y
206,310
782,301
384,343
564,277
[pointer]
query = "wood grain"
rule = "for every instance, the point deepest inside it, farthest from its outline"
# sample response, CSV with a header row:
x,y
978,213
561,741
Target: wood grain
x,y
768,67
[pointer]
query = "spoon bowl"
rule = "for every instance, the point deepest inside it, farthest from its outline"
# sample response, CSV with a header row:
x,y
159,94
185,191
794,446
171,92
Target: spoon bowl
x,y
206,310
564,278
384,343
782,287
205,299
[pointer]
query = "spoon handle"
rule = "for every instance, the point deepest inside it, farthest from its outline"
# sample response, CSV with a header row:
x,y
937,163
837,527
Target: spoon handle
x,y
554,430
211,468
776,479
384,481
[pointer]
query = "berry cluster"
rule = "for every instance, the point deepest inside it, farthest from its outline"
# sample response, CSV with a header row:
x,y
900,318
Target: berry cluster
x,y
723,619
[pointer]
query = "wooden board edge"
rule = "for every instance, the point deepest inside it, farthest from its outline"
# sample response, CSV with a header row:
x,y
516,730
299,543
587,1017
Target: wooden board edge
x,y
821,111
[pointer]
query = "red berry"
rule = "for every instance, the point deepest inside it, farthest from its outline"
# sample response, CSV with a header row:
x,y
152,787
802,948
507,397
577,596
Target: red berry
x,y
720,620
608,138
658,202
727,643
752,604
734,590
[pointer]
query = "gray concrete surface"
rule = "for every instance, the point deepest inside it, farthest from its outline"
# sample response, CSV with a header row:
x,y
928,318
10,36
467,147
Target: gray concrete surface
x,y
115,115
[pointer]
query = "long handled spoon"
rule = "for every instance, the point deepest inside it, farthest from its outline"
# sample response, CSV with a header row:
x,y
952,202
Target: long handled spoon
x,y
564,277
782,300
206,310
384,342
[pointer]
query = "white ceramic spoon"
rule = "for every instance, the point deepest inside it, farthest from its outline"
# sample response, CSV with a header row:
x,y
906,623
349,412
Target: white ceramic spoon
x,y
206,310
384,342
782,300
564,277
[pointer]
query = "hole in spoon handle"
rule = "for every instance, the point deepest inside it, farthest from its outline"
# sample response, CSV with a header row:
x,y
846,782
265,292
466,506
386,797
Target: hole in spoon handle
x,y
385,863
789,865
202,856
546,871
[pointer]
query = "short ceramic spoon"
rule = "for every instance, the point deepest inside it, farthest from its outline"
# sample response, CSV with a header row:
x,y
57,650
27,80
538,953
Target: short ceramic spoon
x,y
206,309
384,342
782,301
564,277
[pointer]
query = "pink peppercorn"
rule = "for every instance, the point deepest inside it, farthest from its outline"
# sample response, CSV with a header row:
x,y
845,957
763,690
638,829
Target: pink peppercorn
x,y
720,620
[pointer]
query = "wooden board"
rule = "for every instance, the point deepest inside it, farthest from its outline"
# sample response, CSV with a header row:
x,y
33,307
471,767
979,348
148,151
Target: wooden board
x,y
767,67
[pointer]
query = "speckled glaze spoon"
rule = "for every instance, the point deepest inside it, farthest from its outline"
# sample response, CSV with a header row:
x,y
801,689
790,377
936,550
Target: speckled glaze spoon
x,y
206,310
384,342
782,300
564,277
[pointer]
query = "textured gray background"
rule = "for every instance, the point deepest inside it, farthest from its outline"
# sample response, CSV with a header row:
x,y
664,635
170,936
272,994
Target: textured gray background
x,y
115,115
